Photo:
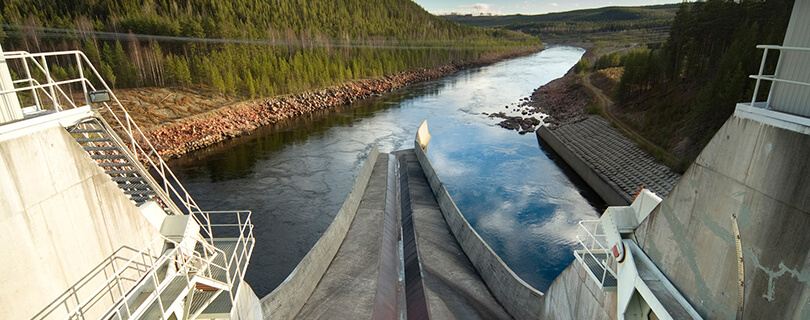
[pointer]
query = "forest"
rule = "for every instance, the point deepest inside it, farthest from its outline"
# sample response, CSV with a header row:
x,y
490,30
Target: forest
x,y
587,24
686,89
250,48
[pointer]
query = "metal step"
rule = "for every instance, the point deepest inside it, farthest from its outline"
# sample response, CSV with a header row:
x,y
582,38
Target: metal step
x,y
93,140
128,179
108,156
598,270
120,171
116,164
86,131
101,148
134,186
141,192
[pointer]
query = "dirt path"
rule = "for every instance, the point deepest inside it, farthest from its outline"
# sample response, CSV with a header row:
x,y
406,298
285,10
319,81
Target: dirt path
x,y
606,107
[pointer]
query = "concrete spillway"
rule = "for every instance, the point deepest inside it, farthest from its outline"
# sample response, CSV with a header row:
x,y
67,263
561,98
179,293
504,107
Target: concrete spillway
x,y
360,280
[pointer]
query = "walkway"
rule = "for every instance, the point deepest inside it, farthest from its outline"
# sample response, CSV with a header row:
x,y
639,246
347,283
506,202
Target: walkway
x,y
366,278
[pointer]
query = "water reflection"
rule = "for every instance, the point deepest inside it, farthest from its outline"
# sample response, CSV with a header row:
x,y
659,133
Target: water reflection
x,y
295,175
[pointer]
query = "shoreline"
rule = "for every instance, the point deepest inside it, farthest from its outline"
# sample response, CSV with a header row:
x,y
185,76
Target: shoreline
x,y
206,129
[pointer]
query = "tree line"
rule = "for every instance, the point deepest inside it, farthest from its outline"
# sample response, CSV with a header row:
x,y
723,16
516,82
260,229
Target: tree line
x,y
691,84
300,44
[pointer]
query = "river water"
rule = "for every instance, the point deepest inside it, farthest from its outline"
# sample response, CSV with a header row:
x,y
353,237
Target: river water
x,y
295,175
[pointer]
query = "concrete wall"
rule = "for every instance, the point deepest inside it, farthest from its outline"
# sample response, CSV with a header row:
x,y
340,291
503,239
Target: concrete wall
x,y
288,298
60,216
248,306
788,97
759,173
517,297
575,295
603,187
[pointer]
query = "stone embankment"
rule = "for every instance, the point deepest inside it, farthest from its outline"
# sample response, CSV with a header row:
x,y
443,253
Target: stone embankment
x,y
206,129
608,161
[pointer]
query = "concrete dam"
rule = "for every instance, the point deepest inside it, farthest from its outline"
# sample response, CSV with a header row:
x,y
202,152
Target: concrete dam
x,y
95,225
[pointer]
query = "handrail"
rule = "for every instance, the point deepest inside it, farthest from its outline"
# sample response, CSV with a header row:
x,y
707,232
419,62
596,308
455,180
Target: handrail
x,y
145,262
773,77
589,249
186,258
101,267
135,140
243,249
145,252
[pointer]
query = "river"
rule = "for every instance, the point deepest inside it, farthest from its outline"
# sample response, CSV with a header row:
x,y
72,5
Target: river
x,y
295,175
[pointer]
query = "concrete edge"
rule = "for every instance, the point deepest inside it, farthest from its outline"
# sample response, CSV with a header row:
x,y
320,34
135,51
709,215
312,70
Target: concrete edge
x,y
598,182
521,300
290,296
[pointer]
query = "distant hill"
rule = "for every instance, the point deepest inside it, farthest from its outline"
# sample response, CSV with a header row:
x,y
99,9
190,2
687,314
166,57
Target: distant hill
x,y
587,24
311,43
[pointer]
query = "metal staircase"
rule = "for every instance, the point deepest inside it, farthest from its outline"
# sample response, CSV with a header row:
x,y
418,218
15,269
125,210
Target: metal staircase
x,y
193,274
115,161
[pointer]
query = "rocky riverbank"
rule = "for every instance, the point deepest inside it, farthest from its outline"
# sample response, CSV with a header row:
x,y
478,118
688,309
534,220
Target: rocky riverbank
x,y
203,130
556,103
563,100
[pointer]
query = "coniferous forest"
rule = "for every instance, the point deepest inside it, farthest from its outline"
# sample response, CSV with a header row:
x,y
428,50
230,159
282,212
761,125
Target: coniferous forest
x,y
247,47
686,89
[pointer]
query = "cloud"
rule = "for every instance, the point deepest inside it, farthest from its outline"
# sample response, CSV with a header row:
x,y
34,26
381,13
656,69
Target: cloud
x,y
554,4
477,8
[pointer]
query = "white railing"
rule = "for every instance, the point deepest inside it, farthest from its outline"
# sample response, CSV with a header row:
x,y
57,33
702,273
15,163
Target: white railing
x,y
592,242
774,78
132,136
118,266
122,277
188,263
238,261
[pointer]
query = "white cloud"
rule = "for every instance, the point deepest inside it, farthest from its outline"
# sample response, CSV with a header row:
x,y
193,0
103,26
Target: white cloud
x,y
554,4
477,8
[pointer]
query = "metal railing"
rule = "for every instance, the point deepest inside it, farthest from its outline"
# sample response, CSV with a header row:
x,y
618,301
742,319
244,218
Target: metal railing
x,y
773,77
117,266
189,264
132,136
238,261
592,242
128,274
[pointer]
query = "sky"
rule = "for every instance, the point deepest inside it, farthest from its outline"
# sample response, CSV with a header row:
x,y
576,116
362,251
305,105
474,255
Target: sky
x,y
439,7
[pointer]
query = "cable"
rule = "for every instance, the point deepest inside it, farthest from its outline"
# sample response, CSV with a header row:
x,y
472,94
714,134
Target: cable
x,y
45,32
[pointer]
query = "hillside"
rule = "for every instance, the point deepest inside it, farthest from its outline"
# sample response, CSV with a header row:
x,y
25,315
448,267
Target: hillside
x,y
605,24
679,95
250,48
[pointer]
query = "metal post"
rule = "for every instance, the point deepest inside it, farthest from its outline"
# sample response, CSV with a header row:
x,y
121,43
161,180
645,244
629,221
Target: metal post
x,y
9,104
118,280
759,76
81,75
51,85
31,83
775,76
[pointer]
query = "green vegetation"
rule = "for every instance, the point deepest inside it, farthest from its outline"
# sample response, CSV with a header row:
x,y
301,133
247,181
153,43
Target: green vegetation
x,y
689,87
299,44
582,66
622,24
